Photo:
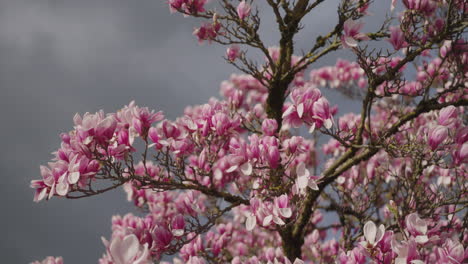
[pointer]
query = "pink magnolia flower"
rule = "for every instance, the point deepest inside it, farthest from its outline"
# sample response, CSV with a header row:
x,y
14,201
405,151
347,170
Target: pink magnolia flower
x,y
207,31
352,33
187,6
304,179
417,227
446,48
406,251
446,115
282,206
436,136
372,234
243,10
272,156
269,126
425,6
162,237
461,154
397,38
143,118
178,225
452,252
128,250
232,53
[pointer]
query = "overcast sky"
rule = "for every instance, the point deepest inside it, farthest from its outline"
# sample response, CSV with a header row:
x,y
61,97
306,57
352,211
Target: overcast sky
x,y
60,57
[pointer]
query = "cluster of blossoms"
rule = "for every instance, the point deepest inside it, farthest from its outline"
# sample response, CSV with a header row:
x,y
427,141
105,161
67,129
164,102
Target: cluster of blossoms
x,y
187,6
344,74
95,138
238,181
420,241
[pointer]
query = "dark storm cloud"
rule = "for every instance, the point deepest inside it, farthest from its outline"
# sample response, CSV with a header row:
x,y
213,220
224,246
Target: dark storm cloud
x,y
62,57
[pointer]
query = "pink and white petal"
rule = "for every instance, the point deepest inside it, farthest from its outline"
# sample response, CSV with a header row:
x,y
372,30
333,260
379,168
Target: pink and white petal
x,y
123,251
62,188
73,177
370,231
40,194
144,257
267,220
278,220
52,191
285,212
312,128
250,222
380,233
328,123
350,42
288,111
178,232
313,185
246,168
421,239
232,168
302,182
300,110
301,170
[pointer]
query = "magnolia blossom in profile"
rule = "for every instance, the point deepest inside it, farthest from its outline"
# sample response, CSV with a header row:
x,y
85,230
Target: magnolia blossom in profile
x,y
397,38
352,33
243,10
436,136
232,53
447,115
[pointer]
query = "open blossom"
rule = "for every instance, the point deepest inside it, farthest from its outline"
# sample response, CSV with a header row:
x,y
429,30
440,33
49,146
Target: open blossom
x,y
407,252
207,31
372,234
128,250
243,10
310,107
417,227
352,33
451,252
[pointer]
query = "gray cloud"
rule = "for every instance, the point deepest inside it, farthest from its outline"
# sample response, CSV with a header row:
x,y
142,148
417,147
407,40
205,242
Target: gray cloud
x,y
63,57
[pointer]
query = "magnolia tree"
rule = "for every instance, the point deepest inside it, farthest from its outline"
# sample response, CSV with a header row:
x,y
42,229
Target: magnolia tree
x,y
272,173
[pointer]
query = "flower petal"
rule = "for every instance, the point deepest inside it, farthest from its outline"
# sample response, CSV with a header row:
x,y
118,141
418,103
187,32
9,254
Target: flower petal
x,y
251,222
370,231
